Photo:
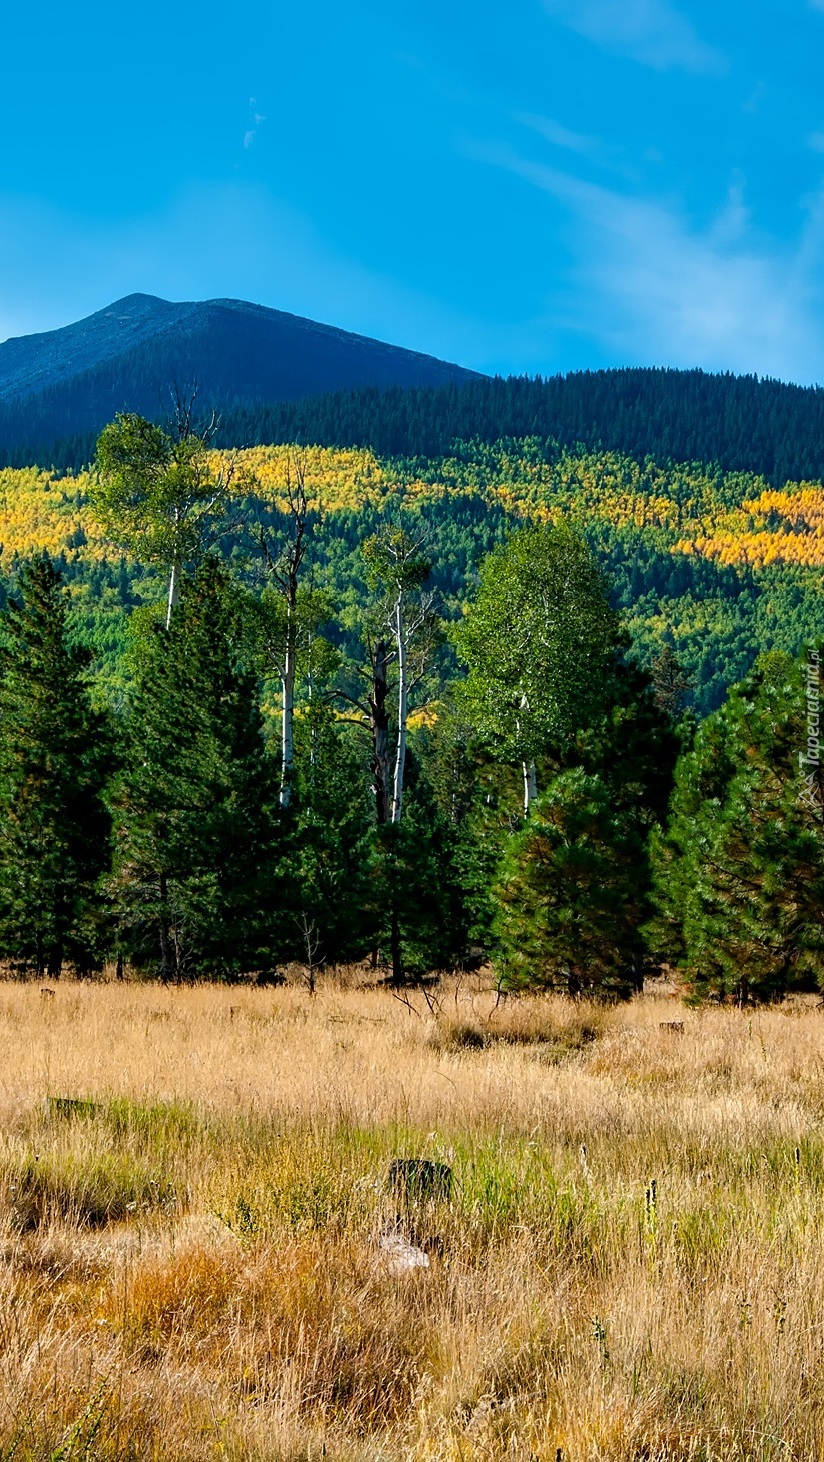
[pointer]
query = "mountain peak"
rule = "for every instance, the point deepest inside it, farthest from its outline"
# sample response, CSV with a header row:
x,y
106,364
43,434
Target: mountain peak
x,y
127,355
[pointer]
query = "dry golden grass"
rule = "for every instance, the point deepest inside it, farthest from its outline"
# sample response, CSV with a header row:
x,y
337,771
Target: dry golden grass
x,y
630,1266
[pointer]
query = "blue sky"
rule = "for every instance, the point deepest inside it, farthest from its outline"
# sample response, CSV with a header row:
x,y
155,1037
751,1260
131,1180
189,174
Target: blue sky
x,y
519,185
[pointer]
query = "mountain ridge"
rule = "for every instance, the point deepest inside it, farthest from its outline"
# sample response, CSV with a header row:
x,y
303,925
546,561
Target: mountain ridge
x,y
70,381
274,377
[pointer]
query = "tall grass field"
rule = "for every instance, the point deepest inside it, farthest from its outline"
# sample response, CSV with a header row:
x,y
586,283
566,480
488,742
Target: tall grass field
x,y
203,1255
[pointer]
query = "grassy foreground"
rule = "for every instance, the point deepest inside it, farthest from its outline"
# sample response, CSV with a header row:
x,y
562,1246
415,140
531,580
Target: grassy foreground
x,y
631,1265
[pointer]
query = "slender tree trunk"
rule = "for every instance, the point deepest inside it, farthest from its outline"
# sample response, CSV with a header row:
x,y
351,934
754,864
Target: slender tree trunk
x,y
178,952
379,726
530,785
403,711
379,717
288,721
395,946
165,959
173,593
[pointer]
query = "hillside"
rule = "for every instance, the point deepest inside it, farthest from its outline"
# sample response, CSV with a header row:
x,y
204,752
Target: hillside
x,y
739,423
719,566
70,382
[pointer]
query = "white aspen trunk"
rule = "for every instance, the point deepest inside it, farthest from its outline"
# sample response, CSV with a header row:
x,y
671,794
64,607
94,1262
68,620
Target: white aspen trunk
x,y
530,785
173,575
403,699
173,593
530,770
287,726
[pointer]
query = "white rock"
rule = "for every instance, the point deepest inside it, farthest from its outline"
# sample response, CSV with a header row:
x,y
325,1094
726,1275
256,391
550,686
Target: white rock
x,y
401,1256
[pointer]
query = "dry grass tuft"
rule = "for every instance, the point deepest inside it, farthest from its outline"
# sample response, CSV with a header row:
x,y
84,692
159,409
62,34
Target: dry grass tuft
x,y
556,1028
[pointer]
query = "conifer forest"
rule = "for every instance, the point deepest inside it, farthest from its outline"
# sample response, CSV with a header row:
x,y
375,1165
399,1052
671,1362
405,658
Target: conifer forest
x,y
548,709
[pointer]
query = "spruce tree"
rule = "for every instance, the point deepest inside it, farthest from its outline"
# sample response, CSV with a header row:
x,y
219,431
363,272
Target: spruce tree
x,y
55,758
195,826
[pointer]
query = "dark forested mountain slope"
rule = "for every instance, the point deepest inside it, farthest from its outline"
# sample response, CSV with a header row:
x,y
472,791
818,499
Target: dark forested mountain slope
x,y
278,378
70,382
739,422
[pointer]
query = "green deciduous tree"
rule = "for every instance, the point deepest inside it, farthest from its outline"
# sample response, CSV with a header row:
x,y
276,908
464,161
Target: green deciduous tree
x,y
55,758
159,493
536,641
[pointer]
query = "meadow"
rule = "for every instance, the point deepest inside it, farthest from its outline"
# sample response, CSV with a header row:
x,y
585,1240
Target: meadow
x,y
630,1264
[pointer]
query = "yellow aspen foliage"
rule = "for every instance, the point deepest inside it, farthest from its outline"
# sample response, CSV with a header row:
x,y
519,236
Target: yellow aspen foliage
x,y
690,509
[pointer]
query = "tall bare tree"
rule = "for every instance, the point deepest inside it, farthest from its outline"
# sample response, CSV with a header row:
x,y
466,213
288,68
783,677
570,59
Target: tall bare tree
x,y
398,567
292,611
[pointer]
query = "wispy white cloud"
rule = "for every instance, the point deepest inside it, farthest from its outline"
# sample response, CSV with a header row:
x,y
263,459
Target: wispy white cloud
x,y
652,288
581,143
650,31
561,136
257,117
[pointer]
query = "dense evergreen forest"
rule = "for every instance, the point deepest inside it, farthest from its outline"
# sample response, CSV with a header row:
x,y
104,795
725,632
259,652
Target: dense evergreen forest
x,y
301,706
739,423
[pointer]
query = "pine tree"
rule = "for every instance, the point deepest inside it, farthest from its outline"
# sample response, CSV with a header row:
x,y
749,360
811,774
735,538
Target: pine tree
x,y
327,851
417,902
465,786
740,872
671,681
55,758
570,902
196,806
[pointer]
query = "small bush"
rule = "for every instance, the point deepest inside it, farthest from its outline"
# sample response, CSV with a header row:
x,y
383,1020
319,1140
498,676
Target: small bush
x,y
88,1191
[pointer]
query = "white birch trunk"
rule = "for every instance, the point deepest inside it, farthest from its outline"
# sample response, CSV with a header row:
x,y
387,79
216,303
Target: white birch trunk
x,y
530,785
173,593
403,711
174,575
288,721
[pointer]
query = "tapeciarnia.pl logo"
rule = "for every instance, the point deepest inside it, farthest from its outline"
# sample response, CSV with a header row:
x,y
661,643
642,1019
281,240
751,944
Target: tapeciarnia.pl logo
x,y
810,759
